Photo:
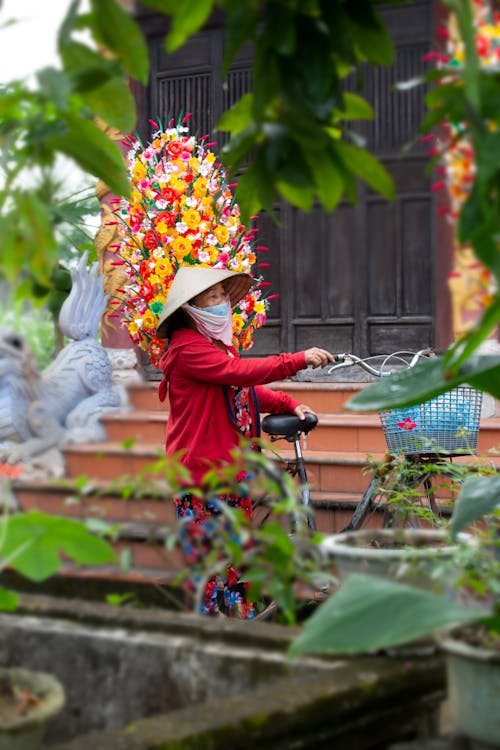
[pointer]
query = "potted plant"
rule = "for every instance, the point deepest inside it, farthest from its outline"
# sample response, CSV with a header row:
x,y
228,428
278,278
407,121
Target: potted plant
x,y
371,613
413,545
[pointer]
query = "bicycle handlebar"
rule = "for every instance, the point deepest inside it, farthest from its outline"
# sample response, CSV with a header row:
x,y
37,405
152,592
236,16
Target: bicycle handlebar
x,y
402,358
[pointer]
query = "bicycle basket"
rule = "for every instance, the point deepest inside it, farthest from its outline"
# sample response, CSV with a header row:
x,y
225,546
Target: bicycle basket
x,y
446,424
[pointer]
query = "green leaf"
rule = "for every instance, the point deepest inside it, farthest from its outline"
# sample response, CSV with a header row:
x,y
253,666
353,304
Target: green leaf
x,y
84,142
370,613
120,34
302,197
8,600
32,543
422,382
87,68
55,86
328,179
188,17
478,497
255,190
369,34
240,27
238,117
355,108
367,167
113,103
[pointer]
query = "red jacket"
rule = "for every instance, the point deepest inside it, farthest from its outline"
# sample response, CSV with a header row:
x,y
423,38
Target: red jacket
x,y
199,423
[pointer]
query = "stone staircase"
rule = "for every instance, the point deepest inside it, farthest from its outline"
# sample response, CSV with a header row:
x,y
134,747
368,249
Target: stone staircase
x,y
336,456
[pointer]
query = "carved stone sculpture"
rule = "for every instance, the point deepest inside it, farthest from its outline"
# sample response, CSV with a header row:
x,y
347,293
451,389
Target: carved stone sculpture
x,y
40,411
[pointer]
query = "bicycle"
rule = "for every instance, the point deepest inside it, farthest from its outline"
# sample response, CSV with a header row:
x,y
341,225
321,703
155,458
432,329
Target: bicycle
x,y
426,455
448,427
422,442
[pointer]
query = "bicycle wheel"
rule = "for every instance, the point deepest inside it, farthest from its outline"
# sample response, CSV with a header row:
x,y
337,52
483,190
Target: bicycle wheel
x,y
404,492
368,510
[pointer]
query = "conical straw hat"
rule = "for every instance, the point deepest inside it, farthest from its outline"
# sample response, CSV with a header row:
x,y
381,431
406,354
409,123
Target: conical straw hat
x,y
192,280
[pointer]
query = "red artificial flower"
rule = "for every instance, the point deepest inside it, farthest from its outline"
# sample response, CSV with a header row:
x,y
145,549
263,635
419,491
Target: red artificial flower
x,y
407,425
174,149
146,291
170,195
10,471
150,241
166,217
482,45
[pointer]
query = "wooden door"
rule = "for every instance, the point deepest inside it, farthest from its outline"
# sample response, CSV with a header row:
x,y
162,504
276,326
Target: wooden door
x,y
362,278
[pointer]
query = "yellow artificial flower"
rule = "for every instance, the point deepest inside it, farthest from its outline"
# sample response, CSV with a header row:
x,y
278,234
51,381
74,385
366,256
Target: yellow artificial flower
x,y
238,323
199,187
210,158
194,164
181,247
191,218
149,320
135,198
207,204
132,328
222,234
163,268
259,307
161,227
178,184
139,171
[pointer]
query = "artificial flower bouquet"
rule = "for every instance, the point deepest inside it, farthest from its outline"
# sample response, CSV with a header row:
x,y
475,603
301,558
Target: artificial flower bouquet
x,y
181,212
455,149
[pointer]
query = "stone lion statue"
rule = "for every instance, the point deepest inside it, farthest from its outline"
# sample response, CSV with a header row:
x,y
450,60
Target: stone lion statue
x,y
40,411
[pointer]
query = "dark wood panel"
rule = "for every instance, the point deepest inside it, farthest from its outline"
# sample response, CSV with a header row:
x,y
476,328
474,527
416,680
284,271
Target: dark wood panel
x,y
382,259
416,226
342,272
336,338
385,338
308,241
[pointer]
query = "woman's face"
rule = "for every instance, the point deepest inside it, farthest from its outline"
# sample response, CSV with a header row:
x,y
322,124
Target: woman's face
x,y
215,295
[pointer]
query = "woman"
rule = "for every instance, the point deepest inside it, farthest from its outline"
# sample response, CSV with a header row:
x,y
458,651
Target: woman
x,y
215,396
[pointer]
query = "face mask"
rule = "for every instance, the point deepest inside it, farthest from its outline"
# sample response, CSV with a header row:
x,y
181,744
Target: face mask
x,y
221,310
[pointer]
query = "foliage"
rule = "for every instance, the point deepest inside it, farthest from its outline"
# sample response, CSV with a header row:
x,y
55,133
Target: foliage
x,y
34,324
369,613
271,561
181,212
33,543
293,130
401,486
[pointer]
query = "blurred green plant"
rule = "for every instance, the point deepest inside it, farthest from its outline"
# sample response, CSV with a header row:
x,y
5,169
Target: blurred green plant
x,y
33,323
33,543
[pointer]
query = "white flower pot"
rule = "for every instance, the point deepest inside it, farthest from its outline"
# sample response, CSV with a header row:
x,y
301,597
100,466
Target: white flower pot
x,y
415,556
25,731
474,692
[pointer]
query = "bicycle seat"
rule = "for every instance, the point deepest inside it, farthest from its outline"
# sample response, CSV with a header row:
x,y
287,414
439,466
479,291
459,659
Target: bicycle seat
x,y
287,425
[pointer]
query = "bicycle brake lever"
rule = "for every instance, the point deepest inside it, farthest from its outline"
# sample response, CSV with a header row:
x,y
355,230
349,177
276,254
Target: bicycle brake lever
x,y
340,361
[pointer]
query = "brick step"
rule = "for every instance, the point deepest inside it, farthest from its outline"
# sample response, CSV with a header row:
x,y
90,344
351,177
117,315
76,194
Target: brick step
x,y
335,432
321,397
110,460
143,517
343,471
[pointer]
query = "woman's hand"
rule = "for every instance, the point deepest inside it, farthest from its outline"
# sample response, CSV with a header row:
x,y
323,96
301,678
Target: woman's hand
x,y
301,410
318,357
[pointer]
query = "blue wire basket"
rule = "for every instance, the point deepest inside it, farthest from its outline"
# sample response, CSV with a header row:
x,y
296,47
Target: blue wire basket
x,y
447,424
